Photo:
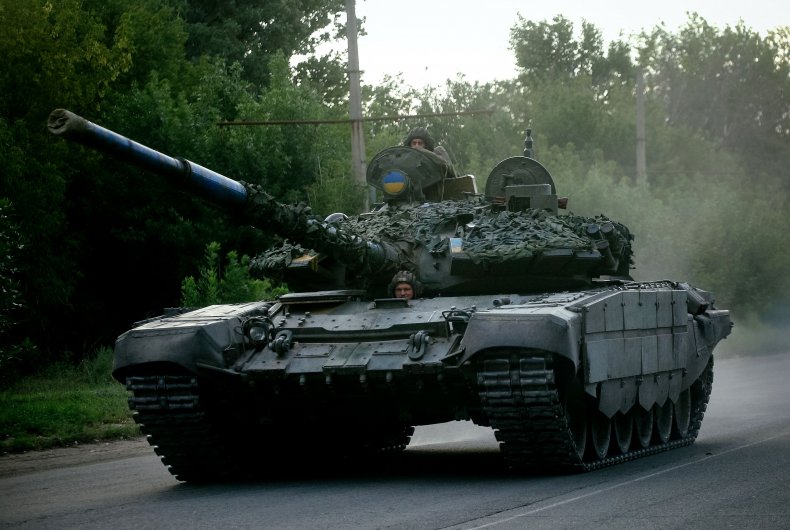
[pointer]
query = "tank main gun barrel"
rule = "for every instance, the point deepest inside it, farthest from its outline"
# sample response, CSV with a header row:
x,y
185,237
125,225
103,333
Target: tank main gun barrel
x,y
255,205
208,184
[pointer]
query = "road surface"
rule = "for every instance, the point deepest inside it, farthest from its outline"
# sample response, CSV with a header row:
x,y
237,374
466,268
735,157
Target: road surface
x,y
737,475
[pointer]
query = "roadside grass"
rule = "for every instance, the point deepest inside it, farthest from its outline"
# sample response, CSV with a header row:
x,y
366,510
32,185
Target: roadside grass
x,y
65,405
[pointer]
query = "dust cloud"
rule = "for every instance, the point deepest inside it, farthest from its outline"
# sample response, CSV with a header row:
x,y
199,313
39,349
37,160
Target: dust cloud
x,y
753,336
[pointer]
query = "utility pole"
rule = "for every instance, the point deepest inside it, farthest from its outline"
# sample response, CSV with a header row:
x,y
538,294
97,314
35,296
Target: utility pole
x,y
355,102
641,162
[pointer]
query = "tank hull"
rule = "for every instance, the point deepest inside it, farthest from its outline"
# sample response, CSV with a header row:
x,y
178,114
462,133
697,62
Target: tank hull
x,y
548,372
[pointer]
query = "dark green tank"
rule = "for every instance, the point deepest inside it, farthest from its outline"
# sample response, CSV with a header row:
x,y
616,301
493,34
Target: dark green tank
x,y
526,320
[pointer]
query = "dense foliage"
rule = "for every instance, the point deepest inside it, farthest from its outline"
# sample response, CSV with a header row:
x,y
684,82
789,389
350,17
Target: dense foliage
x,y
89,245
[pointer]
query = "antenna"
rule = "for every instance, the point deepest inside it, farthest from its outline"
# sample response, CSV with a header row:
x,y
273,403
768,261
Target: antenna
x,y
528,143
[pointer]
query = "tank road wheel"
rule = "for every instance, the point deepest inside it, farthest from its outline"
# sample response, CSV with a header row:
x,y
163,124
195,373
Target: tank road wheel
x,y
664,419
623,427
600,434
643,426
683,414
575,407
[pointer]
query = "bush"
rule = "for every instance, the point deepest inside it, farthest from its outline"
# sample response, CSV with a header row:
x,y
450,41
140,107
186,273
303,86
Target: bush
x,y
232,284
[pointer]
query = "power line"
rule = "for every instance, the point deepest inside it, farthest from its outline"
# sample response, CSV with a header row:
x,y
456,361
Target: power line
x,y
347,121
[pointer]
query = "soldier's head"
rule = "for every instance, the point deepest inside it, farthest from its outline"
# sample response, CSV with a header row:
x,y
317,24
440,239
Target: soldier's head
x,y
405,285
419,138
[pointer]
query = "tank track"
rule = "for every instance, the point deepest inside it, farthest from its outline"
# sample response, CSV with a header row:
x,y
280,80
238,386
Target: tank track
x,y
198,447
519,397
169,412
522,402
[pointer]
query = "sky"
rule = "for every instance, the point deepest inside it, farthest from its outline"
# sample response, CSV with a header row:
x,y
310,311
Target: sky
x,y
429,41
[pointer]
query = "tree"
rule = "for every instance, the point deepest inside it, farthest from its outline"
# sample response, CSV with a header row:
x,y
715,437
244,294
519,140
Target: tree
x,y
53,54
250,32
11,301
731,85
547,52
576,91
107,244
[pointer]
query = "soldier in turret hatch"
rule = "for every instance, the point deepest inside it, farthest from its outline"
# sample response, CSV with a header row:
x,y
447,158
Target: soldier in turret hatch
x,y
420,138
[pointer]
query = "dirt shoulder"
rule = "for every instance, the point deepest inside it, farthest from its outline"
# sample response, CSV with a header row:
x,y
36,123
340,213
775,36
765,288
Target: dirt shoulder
x,y
76,455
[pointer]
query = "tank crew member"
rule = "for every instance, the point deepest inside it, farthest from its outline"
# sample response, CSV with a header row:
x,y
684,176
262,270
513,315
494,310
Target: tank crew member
x,y
405,285
420,138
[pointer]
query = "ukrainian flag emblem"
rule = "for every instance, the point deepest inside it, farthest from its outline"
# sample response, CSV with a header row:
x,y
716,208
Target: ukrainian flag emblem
x,y
395,182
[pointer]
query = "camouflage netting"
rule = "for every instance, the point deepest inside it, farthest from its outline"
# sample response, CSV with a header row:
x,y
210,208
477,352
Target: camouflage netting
x,y
297,222
487,235
286,220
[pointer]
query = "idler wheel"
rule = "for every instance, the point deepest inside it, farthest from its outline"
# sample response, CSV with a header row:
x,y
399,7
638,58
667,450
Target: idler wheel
x,y
600,434
623,427
664,419
643,426
683,414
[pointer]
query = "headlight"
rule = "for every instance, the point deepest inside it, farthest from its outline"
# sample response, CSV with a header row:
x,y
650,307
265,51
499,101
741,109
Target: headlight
x,y
257,331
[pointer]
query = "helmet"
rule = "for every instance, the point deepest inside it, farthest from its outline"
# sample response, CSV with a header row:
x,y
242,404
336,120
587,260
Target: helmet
x,y
405,277
423,134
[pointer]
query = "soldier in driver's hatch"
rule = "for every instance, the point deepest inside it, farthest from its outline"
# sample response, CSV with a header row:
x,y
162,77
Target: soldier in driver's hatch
x,y
405,285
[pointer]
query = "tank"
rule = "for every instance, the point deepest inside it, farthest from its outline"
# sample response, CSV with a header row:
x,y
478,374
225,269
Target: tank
x,y
526,320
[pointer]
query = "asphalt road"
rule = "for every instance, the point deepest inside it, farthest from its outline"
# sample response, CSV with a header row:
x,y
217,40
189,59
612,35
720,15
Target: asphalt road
x,y
736,475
